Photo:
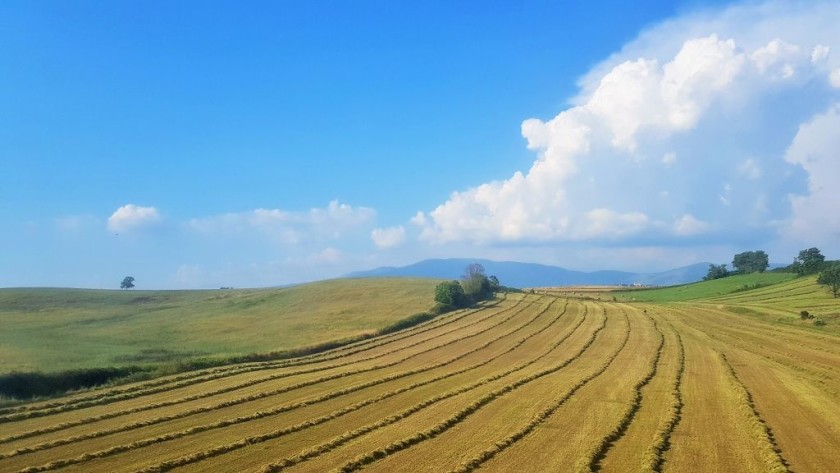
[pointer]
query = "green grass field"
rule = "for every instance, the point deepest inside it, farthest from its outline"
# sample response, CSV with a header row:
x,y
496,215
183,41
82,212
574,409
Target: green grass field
x,y
60,329
771,297
706,289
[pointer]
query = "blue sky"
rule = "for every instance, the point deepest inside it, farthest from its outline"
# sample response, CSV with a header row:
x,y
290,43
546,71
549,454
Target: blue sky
x,y
207,144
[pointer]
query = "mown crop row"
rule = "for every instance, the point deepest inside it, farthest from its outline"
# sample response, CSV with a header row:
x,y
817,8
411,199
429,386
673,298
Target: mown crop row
x,y
198,456
770,352
261,395
770,451
188,380
134,395
346,437
441,427
653,457
593,458
172,382
792,338
537,420
288,407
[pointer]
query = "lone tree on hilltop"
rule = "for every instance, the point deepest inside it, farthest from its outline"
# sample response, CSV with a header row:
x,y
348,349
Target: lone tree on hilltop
x,y
127,282
750,262
830,277
809,261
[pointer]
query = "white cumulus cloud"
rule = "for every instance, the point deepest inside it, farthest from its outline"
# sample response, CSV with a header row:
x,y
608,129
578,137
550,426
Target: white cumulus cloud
x,y
388,237
725,90
816,147
132,216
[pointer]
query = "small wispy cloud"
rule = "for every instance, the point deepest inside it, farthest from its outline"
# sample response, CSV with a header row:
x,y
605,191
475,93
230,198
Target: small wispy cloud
x,y
76,223
131,217
289,227
388,237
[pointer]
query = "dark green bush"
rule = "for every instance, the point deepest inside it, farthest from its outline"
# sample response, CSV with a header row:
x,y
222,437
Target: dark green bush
x,y
27,385
407,322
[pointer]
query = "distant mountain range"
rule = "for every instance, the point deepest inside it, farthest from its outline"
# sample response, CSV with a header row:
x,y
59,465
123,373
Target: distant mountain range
x,y
537,275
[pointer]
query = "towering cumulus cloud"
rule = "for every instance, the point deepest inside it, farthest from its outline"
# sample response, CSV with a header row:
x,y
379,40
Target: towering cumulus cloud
x,y
716,126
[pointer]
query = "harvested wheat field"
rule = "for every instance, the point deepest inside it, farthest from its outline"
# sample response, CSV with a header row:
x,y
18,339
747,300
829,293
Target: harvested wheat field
x,y
528,382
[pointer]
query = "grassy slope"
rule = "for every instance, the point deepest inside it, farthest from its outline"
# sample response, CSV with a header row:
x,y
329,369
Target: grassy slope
x,y
707,289
58,329
771,297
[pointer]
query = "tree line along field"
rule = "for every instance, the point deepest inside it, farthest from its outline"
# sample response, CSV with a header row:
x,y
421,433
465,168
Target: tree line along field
x,y
528,382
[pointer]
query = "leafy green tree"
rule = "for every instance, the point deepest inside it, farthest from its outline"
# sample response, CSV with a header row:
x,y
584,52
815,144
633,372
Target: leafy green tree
x,y
809,261
716,272
830,277
450,293
750,262
476,285
494,283
127,282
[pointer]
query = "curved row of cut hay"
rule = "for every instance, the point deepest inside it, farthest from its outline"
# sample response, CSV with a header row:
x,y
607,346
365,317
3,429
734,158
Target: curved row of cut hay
x,y
746,327
365,459
478,460
251,368
336,442
261,395
787,290
770,341
235,367
766,443
738,443
592,460
239,368
786,359
746,319
198,456
653,458
123,394
291,406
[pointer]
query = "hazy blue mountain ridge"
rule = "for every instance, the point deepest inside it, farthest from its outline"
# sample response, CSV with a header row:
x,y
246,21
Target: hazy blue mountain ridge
x,y
516,274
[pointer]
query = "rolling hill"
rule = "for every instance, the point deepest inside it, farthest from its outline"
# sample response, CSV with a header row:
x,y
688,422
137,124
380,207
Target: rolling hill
x,y
61,329
725,379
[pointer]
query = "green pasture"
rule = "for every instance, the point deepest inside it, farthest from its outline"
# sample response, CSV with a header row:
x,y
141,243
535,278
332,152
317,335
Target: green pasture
x,y
771,297
706,289
59,329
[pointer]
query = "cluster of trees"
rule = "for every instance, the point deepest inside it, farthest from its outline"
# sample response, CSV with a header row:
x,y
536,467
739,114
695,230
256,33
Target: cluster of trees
x,y
716,271
473,287
830,277
809,261
744,263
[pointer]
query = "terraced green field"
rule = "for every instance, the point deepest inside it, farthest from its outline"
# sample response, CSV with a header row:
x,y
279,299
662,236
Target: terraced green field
x,y
529,382
710,289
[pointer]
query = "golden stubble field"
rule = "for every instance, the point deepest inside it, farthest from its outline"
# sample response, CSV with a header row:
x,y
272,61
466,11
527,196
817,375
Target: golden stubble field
x,y
530,382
